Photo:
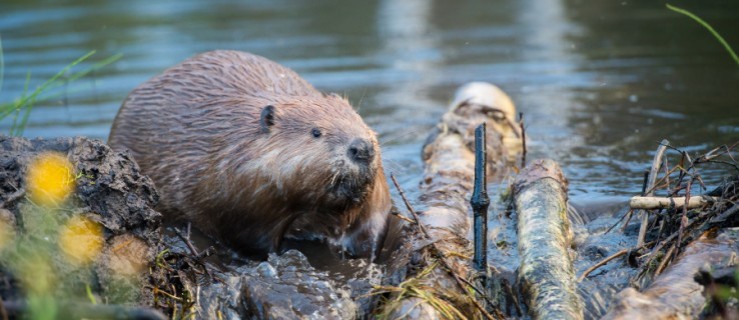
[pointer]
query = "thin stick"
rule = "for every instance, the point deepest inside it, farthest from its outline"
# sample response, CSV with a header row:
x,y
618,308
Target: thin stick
x,y
644,184
631,211
601,263
523,140
643,227
187,242
480,292
607,259
400,216
404,218
667,258
667,174
164,292
660,245
684,217
656,163
436,249
409,207
628,219
196,256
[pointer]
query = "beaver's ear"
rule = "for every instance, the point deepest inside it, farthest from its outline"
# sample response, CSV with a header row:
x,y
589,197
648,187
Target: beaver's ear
x,y
267,118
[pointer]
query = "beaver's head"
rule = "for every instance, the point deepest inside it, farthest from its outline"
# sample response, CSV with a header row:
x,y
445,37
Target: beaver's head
x,y
319,152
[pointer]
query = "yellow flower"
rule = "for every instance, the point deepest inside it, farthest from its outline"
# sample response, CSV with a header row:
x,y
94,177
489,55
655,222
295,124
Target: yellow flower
x,y
50,179
81,240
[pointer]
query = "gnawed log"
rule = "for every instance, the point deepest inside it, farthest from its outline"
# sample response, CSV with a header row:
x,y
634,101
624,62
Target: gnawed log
x,y
544,236
428,275
650,203
675,294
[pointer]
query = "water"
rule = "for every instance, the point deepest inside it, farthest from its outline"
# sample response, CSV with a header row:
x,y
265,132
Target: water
x,y
600,82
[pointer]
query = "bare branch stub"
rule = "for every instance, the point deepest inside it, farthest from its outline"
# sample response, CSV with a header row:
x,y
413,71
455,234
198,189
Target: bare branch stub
x,y
480,201
523,140
438,252
656,163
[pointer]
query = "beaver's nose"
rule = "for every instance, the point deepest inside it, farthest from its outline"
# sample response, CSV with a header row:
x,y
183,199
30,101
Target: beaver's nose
x,y
361,150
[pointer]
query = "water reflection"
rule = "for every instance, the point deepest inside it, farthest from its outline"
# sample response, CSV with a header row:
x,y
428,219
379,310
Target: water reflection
x,y
408,41
600,82
549,49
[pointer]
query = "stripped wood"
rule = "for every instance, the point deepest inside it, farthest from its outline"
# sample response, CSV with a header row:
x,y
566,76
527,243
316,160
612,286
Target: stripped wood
x,y
544,236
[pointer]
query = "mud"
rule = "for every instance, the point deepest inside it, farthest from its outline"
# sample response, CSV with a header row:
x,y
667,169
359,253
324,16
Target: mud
x,y
286,285
110,191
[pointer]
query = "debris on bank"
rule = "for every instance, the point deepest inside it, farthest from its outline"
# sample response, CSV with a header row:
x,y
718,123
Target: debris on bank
x,y
77,228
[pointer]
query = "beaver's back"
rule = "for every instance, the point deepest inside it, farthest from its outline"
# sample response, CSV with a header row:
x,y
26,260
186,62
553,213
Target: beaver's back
x,y
176,123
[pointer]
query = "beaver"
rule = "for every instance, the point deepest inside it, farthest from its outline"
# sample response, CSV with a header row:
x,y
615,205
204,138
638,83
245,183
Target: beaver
x,y
251,153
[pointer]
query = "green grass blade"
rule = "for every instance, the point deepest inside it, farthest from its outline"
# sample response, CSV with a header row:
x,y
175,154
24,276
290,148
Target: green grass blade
x,y
75,76
17,106
54,78
6,110
708,27
25,98
89,294
2,64
95,66
21,107
24,120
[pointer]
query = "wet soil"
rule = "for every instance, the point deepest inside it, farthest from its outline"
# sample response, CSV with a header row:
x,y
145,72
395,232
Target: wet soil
x,y
110,190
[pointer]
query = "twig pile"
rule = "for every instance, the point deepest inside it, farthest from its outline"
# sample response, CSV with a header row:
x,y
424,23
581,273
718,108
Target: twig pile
x,y
667,230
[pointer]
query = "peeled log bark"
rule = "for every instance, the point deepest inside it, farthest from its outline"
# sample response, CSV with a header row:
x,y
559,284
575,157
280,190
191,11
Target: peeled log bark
x,y
448,181
446,189
675,294
544,236
649,203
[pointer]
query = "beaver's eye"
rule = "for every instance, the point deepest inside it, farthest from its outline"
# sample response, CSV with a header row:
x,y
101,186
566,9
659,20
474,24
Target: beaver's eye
x,y
316,132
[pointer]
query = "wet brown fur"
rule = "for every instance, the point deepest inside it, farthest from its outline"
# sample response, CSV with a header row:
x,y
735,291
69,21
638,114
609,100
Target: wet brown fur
x,y
195,130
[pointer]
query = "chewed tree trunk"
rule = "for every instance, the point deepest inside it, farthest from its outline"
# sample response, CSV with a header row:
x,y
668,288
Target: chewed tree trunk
x,y
544,236
427,276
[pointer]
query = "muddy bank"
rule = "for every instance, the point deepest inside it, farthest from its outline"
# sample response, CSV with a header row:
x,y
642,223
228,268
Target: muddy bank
x,y
92,244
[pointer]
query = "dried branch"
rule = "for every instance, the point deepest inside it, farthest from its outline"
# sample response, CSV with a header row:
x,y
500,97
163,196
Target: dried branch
x,y
656,163
601,263
523,140
649,203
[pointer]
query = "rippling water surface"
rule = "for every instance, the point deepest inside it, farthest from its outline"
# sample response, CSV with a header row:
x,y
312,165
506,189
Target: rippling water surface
x,y
599,82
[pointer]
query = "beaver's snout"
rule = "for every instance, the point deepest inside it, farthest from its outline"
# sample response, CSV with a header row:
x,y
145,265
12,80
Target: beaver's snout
x,y
361,151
